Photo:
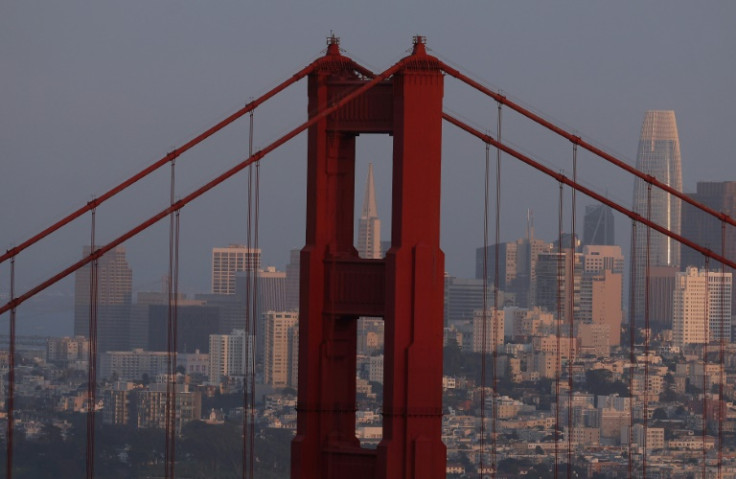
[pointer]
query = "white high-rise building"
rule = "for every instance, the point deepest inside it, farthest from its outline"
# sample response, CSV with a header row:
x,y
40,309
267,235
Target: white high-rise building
x,y
280,348
720,297
230,260
227,355
701,307
600,257
494,326
690,308
602,289
658,155
369,228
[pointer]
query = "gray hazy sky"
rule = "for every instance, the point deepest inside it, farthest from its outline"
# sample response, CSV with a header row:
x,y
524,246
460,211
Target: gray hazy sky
x,y
93,91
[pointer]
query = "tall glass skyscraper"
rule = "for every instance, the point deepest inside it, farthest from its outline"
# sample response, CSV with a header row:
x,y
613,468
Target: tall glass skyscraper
x,y
659,156
598,225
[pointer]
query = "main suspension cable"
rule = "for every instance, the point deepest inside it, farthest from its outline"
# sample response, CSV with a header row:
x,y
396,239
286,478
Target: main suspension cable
x,y
584,190
257,156
498,97
172,155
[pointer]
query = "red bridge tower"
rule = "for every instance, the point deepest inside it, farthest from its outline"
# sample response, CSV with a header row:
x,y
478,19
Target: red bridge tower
x,y
405,288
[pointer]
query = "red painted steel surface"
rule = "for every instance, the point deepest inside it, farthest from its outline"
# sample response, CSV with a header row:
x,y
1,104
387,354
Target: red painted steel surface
x,y
406,288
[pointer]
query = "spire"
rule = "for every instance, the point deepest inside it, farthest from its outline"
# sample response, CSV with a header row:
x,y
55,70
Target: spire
x,y
369,200
529,224
369,227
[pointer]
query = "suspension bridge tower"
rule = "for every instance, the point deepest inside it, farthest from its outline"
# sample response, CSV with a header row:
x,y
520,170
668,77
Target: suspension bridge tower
x,y
405,288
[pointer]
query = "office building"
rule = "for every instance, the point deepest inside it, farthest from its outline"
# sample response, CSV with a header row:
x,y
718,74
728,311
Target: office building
x,y
271,290
292,281
369,227
230,260
113,300
598,225
150,406
602,289
142,312
661,290
601,303
118,399
517,267
659,156
703,228
67,350
465,296
370,336
526,323
195,324
593,339
557,274
227,355
279,348
507,264
701,307
494,330
706,230
597,258
133,365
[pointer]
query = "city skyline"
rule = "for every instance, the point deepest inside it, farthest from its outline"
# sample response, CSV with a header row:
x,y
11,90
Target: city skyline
x,y
702,122
77,120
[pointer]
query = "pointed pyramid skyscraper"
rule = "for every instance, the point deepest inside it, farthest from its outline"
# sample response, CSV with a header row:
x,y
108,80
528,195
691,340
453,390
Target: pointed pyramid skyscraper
x,y
369,229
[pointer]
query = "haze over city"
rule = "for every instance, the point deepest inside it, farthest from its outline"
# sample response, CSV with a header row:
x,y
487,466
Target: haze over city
x,y
93,93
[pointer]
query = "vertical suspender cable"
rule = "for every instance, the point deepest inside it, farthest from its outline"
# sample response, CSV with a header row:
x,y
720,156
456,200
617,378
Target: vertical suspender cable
x,y
169,293
249,346
252,410
632,341
495,314
484,316
558,328
171,340
721,350
647,272
570,282
175,344
11,377
92,355
706,334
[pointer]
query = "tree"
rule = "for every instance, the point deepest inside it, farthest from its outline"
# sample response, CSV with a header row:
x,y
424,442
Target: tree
x,y
452,358
659,413
600,382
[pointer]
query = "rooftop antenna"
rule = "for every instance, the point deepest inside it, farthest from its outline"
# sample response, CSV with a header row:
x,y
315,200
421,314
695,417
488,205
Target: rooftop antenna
x,y
333,39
